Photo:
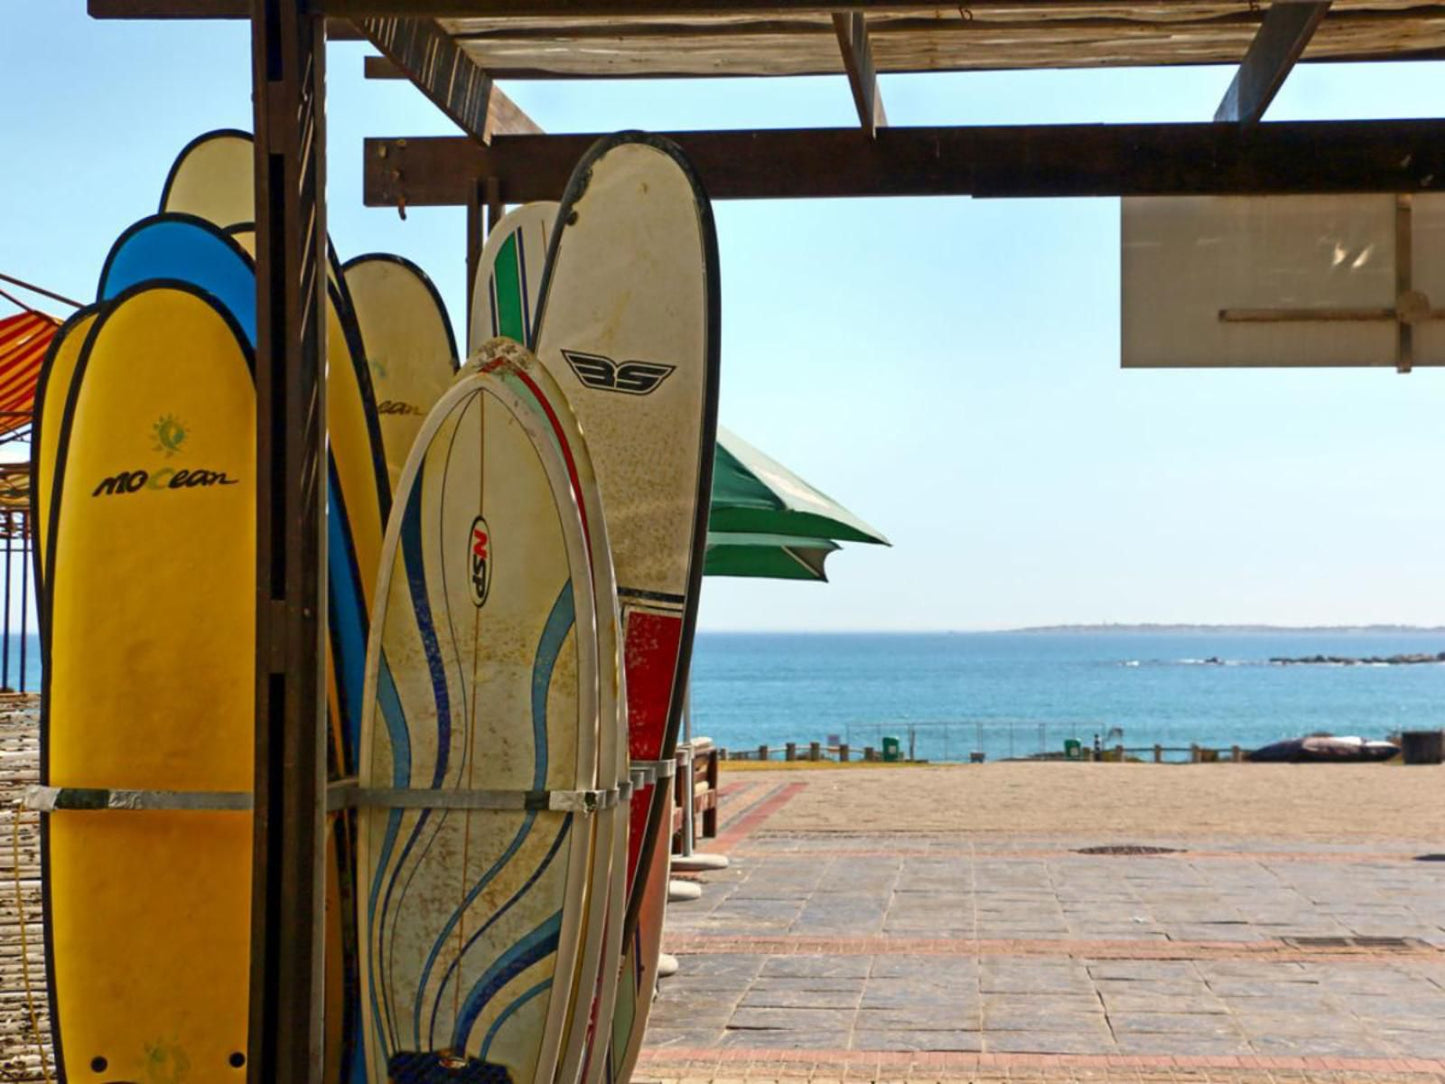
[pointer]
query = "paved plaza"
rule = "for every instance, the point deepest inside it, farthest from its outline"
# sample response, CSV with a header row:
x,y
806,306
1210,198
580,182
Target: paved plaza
x,y
887,953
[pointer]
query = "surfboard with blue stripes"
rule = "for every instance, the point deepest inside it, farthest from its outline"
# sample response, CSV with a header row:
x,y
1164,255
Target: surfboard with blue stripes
x,y
478,781
595,990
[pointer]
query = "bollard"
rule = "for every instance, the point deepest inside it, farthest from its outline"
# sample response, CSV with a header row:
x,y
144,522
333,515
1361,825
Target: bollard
x,y
843,753
722,754
1193,754
790,751
762,752
1236,754
1119,753
815,750
1158,754
869,753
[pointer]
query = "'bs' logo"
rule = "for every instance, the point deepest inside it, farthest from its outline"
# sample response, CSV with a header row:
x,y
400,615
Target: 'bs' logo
x,y
632,377
481,560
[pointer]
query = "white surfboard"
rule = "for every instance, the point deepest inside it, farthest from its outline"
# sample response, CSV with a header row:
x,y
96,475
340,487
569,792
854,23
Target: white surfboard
x,y
479,750
628,325
509,275
596,988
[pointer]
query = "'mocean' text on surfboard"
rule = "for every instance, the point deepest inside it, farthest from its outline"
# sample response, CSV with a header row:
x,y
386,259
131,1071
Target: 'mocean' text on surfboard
x,y
133,481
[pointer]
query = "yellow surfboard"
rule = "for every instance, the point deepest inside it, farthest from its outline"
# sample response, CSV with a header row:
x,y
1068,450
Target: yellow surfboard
x,y
147,725
411,354
214,178
56,372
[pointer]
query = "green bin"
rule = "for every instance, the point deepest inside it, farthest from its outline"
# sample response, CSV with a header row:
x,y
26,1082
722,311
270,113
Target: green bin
x,y
890,749
1072,749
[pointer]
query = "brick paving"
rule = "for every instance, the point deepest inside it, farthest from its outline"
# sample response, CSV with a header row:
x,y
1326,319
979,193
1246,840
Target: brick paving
x,y
930,956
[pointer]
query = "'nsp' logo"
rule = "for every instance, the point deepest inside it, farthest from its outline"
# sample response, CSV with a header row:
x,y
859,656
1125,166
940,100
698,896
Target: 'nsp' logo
x,y
632,377
170,433
481,560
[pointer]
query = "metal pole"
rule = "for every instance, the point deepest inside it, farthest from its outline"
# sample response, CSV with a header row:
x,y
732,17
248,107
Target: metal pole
x,y
24,615
477,228
5,648
689,782
288,899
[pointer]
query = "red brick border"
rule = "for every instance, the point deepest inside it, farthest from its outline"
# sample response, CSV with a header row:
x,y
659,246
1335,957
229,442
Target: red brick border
x,y
747,823
774,1062
1269,951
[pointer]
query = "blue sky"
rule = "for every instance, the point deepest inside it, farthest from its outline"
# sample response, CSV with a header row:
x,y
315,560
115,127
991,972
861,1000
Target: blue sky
x,y
947,368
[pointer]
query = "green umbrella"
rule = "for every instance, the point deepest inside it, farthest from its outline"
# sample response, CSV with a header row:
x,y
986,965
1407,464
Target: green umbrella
x,y
754,494
767,556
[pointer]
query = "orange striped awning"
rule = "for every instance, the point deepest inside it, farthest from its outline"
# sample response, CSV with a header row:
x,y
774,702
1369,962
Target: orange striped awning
x,y
24,338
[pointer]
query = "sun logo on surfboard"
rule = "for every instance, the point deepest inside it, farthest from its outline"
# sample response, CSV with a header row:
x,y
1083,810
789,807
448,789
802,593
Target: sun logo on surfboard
x,y
170,433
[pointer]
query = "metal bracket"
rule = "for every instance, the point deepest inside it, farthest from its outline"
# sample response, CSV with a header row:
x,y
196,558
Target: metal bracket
x,y
530,801
660,769
1411,306
52,799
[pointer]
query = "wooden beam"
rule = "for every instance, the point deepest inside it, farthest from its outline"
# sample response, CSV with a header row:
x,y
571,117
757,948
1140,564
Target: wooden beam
x,y
288,895
852,30
236,9
504,116
336,29
438,67
1283,34
1046,160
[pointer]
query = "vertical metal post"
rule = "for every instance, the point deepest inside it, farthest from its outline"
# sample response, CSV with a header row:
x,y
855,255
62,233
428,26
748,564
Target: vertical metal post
x,y
5,648
288,70
476,227
24,610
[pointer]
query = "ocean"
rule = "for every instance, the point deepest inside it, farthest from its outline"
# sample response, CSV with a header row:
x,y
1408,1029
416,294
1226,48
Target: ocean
x,y
1021,693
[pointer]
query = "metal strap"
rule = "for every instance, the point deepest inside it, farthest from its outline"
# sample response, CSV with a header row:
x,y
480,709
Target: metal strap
x,y
51,799
531,801
660,769
642,777
624,791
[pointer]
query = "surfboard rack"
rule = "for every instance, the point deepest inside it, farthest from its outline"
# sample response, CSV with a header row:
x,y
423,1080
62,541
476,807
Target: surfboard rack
x,y
40,799
529,801
655,769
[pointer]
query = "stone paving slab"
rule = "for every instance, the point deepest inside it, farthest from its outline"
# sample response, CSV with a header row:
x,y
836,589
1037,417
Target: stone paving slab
x,y
832,956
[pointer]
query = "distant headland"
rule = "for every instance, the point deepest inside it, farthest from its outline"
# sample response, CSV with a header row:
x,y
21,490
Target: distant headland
x,y
1235,630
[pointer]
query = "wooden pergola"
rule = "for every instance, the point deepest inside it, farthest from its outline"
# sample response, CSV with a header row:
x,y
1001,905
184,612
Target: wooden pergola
x,y
453,50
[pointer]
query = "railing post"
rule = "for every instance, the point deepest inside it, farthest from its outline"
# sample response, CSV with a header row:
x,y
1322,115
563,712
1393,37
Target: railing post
x,y
790,751
843,753
762,752
1158,753
1236,754
815,751
869,753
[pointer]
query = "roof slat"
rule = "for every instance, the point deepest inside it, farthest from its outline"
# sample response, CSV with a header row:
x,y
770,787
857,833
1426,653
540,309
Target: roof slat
x,y
1283,34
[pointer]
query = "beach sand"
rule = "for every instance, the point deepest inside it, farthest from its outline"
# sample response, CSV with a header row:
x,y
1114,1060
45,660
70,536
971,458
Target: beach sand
x,y
1315,802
